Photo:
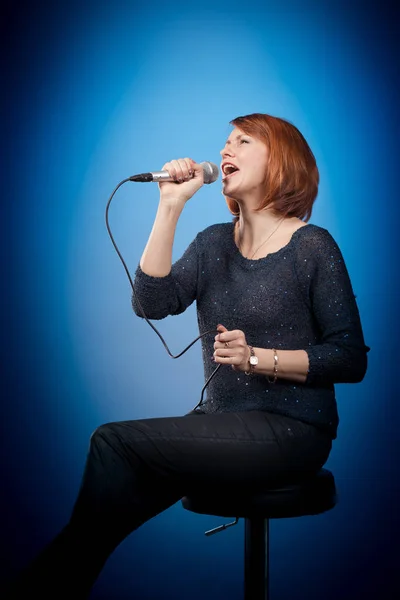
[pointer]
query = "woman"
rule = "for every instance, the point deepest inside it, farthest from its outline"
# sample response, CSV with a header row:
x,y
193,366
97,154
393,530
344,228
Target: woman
x,y
277,294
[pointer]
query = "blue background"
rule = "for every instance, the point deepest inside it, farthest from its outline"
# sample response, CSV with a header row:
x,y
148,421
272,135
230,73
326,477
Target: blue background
x,y
96,92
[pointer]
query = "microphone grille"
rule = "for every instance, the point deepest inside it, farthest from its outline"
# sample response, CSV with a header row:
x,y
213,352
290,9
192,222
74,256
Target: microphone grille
x,y
211,172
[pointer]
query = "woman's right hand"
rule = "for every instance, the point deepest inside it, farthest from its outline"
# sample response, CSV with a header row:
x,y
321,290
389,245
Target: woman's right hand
x,y
188,178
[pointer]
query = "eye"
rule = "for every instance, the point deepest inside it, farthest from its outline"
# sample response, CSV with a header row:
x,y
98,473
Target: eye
x,y
242,141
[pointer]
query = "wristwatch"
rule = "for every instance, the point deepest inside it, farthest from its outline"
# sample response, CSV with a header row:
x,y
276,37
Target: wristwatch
x,y
253,360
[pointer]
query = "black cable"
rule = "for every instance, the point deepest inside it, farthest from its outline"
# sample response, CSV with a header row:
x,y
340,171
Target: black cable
x,y
140,306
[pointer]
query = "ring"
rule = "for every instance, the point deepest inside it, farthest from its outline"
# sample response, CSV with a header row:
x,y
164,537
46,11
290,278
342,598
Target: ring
x,y
226,344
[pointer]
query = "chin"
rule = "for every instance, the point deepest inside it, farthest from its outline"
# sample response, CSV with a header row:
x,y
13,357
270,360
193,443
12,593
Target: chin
x,y
230,190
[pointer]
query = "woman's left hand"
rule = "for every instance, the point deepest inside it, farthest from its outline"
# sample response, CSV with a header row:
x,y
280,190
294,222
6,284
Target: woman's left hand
x,y
231,348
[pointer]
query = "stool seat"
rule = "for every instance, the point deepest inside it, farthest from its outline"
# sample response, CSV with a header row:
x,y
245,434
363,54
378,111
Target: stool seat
x,y
312,495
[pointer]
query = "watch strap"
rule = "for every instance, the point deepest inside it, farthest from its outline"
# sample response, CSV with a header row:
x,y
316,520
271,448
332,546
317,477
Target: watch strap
x,y
251,367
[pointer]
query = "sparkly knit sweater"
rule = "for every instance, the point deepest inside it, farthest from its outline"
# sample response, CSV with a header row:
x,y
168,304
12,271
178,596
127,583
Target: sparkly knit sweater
x,y
299,297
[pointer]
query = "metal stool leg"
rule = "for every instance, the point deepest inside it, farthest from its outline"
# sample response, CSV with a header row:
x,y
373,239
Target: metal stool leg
x,y
256,559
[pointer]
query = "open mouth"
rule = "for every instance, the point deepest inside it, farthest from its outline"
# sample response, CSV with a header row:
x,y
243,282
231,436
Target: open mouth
x,y
228,170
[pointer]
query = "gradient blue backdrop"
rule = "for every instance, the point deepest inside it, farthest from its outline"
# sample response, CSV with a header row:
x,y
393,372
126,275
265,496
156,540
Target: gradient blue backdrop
x,y
96,92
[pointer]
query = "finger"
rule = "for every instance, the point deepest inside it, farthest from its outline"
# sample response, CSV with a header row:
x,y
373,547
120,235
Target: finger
x,y
189,164
227,360
230,336
171,168
168,167
220,329
229,349
178,172
231,345
177,169
220,345
225,353
186,168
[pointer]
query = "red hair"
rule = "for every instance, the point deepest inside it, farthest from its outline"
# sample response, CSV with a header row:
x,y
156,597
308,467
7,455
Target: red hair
x,y
291,178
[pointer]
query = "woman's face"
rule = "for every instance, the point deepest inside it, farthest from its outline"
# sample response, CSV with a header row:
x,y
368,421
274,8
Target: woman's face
x,y
243,166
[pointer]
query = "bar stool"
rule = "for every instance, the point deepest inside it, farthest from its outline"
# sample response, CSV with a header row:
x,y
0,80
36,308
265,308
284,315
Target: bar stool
x,y
312,495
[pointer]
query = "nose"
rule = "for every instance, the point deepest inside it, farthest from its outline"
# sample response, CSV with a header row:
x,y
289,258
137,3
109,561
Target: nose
x,y
226,151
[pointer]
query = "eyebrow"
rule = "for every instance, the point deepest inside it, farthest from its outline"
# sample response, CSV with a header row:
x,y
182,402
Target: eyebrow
x,y
236,138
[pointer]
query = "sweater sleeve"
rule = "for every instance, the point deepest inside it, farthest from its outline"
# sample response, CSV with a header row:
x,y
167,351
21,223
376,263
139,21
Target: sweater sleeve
x,y
340,354
169,295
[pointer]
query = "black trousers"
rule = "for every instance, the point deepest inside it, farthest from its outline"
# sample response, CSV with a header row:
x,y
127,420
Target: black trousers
x,y
137,469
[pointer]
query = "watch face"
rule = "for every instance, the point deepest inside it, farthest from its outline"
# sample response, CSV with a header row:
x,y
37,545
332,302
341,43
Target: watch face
x,y
253,360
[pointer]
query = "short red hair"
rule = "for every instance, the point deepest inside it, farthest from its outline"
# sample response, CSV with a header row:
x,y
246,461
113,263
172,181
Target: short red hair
x,y
292,177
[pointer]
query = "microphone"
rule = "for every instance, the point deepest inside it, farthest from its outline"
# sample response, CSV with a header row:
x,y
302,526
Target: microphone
x,y
210,171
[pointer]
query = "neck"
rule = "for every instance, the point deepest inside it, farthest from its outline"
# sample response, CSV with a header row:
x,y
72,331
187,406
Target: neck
x,y
254,227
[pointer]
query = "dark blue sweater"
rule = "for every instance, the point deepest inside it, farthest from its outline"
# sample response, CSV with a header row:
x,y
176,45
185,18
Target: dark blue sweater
x,y
299,297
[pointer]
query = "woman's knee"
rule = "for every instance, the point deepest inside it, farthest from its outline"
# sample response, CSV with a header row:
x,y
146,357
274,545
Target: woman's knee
x,y
99,434
104,439
115,442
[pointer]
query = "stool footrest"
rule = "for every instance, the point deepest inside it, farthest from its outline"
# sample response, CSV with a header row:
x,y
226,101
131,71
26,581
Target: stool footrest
x,y
221,527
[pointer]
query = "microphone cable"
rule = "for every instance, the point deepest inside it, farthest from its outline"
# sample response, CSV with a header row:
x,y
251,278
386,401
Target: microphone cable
x,y
140,306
